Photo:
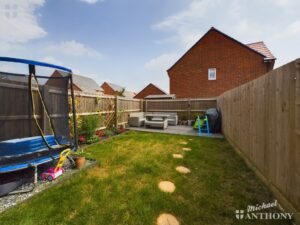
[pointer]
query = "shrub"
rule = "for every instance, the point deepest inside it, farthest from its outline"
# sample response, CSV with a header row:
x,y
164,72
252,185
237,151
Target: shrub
x,y
88,126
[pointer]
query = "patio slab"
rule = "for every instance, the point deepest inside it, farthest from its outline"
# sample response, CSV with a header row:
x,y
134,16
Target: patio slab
x,y
177,156
182,169
167,219
166,186
180,129
187,149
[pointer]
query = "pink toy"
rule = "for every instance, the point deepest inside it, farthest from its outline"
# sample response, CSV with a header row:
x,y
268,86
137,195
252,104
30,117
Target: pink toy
x,y
52,173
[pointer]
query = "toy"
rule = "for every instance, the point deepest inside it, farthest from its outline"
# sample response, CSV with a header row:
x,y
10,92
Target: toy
x,y
52,173
202,125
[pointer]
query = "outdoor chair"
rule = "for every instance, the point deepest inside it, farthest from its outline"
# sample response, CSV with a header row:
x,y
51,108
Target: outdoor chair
x,y
172,118
136,119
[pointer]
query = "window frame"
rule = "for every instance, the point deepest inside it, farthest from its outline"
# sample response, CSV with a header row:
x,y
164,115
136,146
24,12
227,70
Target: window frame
x,y
215,73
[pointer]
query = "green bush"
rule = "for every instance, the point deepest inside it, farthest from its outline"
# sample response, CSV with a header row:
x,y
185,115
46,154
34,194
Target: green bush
x,y
88,126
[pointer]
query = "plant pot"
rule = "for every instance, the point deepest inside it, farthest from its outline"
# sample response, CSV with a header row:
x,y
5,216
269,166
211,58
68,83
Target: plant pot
x,y
79,162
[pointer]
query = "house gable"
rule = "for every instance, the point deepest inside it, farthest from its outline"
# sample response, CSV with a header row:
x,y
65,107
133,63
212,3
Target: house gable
x,y
234,63
107,89
150,89
222,36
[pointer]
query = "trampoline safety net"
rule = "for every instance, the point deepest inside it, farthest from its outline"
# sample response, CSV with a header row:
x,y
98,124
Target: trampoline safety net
x,y
20,119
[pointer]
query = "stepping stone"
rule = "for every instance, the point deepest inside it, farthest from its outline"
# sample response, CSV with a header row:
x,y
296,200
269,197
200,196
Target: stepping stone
x,y
183,142
167,219
187,149
182,169
177,156
166,186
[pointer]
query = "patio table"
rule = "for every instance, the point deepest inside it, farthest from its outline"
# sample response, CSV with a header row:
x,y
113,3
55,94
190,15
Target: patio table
x,y
162,122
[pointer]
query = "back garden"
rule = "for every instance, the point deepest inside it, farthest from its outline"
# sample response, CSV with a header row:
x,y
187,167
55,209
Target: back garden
x,y
152,178
123,187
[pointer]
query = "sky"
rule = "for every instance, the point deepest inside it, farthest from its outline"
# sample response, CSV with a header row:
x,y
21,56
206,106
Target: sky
x,y
134,42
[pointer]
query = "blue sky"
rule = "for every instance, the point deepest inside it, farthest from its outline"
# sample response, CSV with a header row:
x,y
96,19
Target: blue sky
x,y
134,42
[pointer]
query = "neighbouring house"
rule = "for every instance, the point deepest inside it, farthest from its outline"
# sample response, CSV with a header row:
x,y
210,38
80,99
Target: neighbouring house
x,y
114,89
81,83
150,89
217,63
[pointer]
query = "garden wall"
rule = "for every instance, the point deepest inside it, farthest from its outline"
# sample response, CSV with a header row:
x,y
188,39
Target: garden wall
x,y
262,120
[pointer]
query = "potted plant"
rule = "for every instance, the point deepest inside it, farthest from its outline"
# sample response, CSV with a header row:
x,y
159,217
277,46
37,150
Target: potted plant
x,y
79,159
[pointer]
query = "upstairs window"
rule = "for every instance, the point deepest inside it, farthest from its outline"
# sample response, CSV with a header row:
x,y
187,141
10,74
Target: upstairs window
x,y
212,74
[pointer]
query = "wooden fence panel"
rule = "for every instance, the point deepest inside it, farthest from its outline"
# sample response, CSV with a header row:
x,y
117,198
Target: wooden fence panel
x,y
261,119
15,121
110,109
167,105
185,108
127,106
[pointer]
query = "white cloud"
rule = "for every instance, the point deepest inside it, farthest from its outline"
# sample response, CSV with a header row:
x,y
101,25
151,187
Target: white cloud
x,y
196,9
187,23
91,1
18,21
162,62
74,48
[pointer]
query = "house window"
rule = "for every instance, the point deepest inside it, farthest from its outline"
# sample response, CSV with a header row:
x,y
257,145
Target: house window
x,y
212,74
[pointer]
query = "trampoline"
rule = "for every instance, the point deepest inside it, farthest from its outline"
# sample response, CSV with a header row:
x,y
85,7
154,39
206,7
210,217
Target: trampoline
x,y
37,118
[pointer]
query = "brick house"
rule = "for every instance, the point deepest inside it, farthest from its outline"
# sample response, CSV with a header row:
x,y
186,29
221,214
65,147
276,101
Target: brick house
x,y
217,63
80,83
150,89
114,89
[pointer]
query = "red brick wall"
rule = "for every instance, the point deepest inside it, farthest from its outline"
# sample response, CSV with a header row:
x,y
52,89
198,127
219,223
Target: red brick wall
x,y
107,89
235,65
149,90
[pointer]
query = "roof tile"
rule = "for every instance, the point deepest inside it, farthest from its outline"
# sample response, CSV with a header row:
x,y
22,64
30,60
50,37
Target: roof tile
x,y
261,48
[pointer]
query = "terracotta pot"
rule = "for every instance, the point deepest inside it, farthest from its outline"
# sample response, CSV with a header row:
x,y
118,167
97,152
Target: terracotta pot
x,y
79,161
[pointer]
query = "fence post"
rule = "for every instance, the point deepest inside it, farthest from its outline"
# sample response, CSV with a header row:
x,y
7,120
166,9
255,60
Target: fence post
x,y
189,109
146,109
116,111
45,94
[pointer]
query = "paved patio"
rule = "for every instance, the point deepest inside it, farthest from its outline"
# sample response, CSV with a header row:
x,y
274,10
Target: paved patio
x,y
184,130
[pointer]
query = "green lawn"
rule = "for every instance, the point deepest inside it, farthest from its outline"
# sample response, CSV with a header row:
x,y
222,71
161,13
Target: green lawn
x,y
123,190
